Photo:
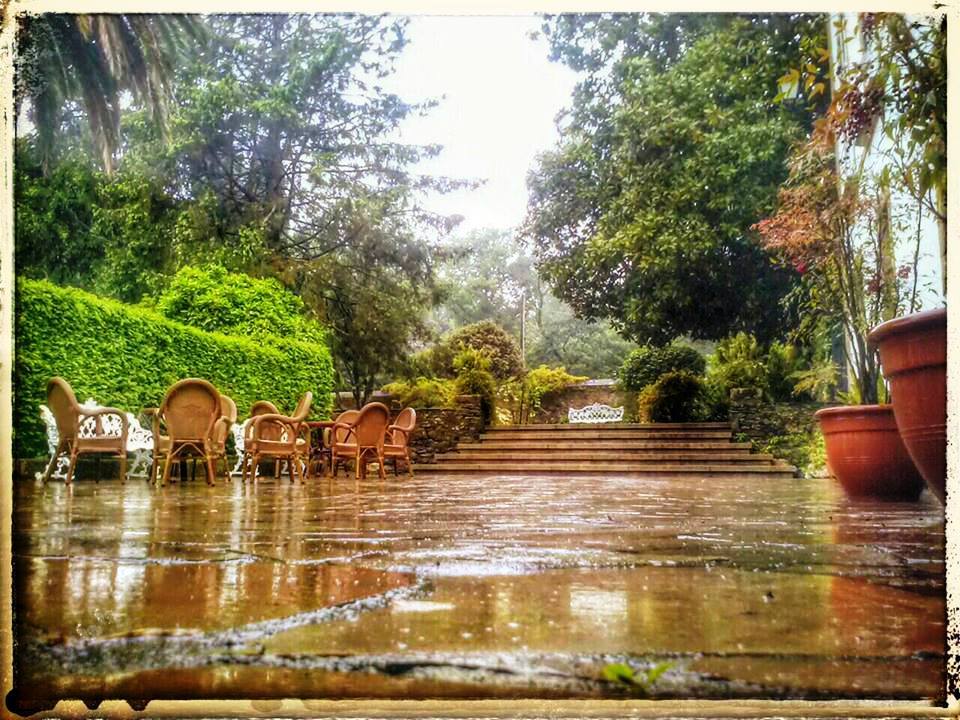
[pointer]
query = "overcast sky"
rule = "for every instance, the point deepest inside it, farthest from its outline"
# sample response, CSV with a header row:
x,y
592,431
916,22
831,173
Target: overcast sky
x,y
498,95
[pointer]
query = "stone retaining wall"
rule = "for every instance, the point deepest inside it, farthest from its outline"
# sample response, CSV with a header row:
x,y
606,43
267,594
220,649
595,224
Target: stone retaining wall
x,y
439,429
554,406
787,430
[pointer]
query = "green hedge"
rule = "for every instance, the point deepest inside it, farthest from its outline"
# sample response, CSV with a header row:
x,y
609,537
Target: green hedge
x,y
128,356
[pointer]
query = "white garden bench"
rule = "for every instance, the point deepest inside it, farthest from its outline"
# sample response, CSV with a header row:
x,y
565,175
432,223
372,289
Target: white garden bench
x,y
139,440
595,413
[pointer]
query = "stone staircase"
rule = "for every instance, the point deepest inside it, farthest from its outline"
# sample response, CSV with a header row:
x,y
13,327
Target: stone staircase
x,y
658,449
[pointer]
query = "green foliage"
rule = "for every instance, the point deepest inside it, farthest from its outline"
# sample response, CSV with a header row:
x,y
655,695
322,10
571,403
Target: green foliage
x,y
423,392
740,361
640,682
127,356
676,397
645,365
804,450
642,214
474,378
212,299
487,337
543,380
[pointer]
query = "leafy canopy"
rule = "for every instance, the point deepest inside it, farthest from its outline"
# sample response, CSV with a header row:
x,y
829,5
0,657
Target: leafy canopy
x,y
642,213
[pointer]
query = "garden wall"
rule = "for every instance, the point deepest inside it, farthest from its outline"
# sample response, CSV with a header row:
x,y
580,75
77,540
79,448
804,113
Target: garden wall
x,y
439,429
787,430
127,356
554,406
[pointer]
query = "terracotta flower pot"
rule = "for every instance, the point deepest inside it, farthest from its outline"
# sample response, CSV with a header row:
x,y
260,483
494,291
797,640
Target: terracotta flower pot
x,y
866,454
913,355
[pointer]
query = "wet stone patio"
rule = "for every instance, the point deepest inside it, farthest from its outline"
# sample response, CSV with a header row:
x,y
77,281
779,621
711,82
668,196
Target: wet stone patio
x,y
474,587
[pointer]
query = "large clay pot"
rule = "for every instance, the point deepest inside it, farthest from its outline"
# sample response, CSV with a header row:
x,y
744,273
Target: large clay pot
x,y
866,454
913,355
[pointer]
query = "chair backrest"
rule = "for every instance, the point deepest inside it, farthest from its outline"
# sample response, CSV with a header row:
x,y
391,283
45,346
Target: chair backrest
x,y
303,407
228,409
64,406
349,417
371,425
406,421
262,407
190,409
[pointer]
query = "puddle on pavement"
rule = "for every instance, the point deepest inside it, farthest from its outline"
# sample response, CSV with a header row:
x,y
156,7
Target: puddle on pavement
x,y
459,587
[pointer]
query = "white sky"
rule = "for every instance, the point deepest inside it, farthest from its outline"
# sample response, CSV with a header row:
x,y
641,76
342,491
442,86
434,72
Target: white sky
x,y
498,96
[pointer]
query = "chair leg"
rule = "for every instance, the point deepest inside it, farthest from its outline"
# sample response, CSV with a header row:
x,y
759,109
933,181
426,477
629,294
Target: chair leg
x,y
171,456
123,467
73,464
380,469
53,460
211,470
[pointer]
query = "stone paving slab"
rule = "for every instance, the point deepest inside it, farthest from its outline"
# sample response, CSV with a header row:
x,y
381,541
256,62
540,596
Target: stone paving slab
x,y
458,586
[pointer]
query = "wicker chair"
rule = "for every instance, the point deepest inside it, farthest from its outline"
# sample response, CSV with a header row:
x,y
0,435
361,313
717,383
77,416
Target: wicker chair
x,y
279,437
189,414
365,439
397,444
340,436
84,430
228,416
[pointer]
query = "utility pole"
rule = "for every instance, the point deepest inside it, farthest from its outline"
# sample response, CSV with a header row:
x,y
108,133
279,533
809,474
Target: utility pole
x,y
523,326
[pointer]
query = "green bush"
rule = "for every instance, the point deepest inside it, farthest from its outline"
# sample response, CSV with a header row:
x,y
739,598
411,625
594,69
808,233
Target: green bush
x,y
474,378
645,365
423,392
212,299
740,361
676,397
487,337
128,356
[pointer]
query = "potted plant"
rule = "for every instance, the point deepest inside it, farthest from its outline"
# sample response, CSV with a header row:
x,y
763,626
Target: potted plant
x,y
839,235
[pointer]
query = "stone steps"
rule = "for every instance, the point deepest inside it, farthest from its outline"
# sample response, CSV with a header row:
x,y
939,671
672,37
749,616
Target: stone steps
x,y
523,456
607,468
649,450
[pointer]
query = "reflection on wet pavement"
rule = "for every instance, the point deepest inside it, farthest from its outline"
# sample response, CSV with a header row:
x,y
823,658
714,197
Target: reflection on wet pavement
x,y
474,587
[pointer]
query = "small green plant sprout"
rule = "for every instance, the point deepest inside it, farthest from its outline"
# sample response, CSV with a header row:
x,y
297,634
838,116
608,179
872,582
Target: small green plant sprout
x,y
638,681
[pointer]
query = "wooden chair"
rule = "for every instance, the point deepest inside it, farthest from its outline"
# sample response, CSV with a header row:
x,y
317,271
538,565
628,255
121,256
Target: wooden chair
x,y
84,430
339,438
279,437
189,414
221,430
366,437
397,445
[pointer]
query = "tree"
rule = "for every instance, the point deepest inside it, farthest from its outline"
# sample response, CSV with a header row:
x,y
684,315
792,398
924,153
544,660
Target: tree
x,y
641,215
96,58
486,337
372,295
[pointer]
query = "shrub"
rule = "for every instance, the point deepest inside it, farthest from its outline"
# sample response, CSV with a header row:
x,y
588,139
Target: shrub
x,y
645,365
487,337
128,356
423,392
474,378
676,397
738,362
783,361
212,299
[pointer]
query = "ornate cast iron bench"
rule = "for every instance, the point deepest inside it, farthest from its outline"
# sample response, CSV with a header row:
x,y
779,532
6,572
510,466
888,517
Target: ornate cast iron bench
x,y
139,441
595,413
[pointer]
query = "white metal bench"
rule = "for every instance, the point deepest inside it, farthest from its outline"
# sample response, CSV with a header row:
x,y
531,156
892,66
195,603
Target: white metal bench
x,y
595,413
139,440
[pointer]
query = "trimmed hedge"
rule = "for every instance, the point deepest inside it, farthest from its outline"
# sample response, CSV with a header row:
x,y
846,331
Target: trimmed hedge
x,y
128,356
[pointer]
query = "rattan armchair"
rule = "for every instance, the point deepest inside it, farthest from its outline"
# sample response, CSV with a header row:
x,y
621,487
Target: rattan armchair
x,y
278,437
82,430
221,430
364,438
340,439
397,445
184,426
